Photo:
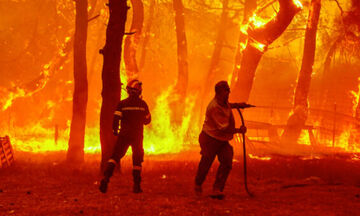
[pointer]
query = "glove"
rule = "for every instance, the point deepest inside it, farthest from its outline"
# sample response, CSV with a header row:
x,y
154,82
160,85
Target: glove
x,y
242,129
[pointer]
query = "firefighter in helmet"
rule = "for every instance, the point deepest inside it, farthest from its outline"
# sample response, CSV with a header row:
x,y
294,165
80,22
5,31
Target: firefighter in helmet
x,y
218,129
133,113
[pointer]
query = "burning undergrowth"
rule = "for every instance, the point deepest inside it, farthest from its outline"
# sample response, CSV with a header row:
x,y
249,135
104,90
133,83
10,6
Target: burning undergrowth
x,y
163,135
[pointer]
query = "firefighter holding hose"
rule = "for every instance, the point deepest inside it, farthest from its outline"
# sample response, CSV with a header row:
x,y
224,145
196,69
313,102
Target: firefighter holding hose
x,y
218,129
133,113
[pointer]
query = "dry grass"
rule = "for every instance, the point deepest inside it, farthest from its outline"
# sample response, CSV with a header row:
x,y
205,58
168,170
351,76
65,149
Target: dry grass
x,y
41,184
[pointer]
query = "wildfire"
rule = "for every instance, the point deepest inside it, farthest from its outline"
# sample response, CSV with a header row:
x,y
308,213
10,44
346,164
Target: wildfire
x,y
258,22
304,138
298,3
259,157
259,46
356,96
17,92
6,102
343,142
162,136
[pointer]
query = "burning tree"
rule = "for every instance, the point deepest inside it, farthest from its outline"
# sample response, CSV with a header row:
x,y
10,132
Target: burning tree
x,y
260,36
179,92
298,118
147,33
132,40
77,130
219,43
249,8
111,75
182,81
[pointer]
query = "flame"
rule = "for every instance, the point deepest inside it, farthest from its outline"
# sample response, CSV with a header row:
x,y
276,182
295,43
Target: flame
x,y
311,157
259,46
39,139
356,96
298,4
355,157
161,136
343,142
7,101
259,157
304,138
257,21
18,91
243,29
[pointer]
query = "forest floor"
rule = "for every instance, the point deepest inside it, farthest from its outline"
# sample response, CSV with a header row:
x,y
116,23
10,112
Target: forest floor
x,y
41,184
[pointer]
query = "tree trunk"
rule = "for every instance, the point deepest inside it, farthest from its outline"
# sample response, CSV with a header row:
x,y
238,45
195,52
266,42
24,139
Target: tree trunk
x,y
182,55
354,139
259,38
75,152
111,75
249,8
300,110
215,58
179,92
147,34
132,41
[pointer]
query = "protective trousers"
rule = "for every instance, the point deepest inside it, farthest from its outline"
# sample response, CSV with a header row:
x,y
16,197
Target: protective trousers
x,y
120,150
210,148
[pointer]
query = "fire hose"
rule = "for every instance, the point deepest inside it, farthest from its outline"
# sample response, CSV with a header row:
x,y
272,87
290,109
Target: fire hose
x,y
239,106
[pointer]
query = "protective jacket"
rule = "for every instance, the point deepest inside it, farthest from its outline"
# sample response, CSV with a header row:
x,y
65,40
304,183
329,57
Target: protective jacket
x,y
133,113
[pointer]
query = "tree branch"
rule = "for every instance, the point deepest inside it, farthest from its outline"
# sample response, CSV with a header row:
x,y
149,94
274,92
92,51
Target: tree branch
x,y
339,6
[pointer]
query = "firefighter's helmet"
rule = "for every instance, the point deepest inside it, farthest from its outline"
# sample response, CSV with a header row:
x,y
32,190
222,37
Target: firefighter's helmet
x,y
134,87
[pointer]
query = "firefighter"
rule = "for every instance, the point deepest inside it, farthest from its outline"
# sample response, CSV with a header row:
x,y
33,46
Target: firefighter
x,y
133,113
218,129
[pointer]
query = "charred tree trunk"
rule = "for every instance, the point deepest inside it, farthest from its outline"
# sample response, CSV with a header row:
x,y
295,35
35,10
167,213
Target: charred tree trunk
x,y
111,75
353,18
300,110
132,41
182,55
249,8
354,139
215,58
147,34
77,130
179,92
259,38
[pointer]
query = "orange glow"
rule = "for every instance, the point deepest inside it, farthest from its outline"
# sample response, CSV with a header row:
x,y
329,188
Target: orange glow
x,y
259,157
164,137
356,96
298,3
258,22
6,102
304,138
161,136
33,48
259,46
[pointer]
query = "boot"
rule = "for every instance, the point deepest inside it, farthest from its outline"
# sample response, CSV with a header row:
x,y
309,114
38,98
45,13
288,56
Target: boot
x,y
217,194
107,174
198,190
137,180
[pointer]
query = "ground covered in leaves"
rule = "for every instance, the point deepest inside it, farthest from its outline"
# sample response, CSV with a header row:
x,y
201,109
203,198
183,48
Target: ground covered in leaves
x,y
42,184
